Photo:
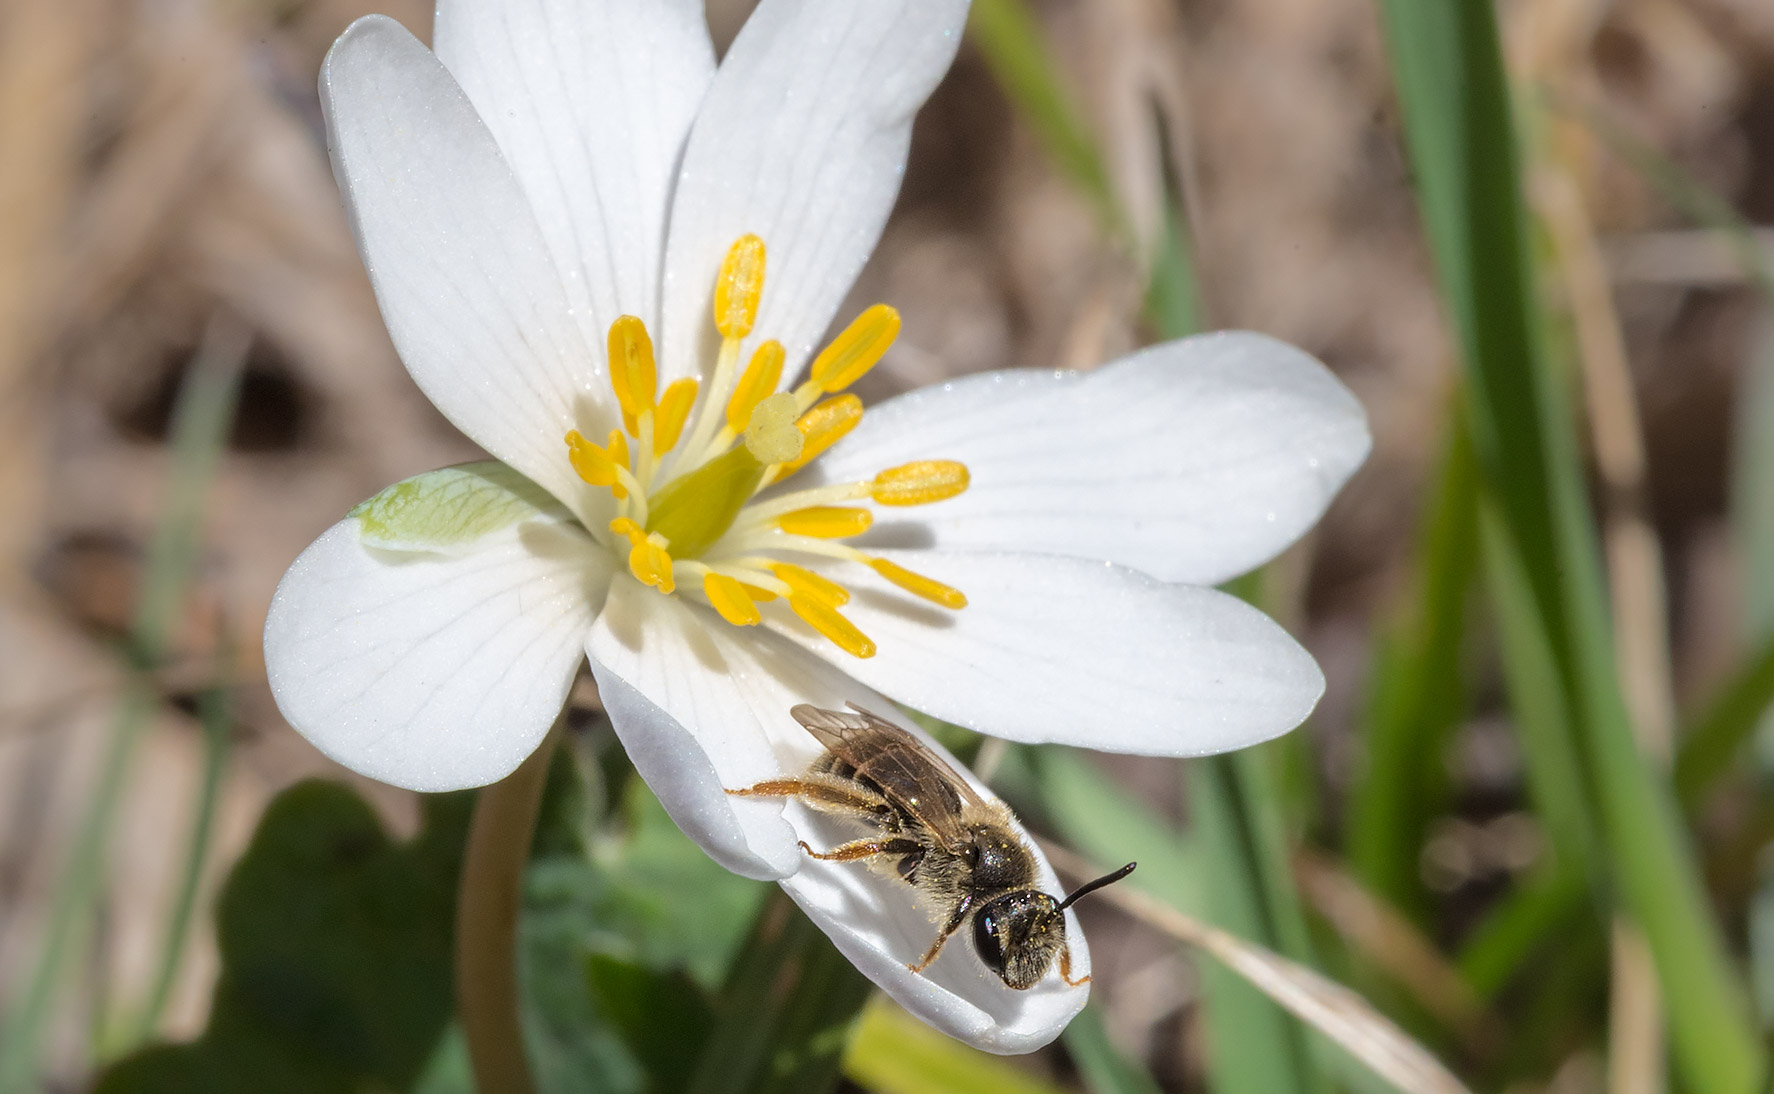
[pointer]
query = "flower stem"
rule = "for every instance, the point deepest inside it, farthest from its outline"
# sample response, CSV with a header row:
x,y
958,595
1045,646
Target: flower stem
x,y
487,907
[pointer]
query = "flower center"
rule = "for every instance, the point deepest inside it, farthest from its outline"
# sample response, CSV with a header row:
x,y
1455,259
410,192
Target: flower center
x,y
687,500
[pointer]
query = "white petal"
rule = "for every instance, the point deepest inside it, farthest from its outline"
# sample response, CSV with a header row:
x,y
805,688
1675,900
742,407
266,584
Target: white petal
x,y
1062,650
873,921
426,670
465,282
701,706
802,140
1193,461
591,102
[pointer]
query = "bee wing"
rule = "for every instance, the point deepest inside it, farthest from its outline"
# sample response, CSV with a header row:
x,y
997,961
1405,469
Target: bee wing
x,y
907,771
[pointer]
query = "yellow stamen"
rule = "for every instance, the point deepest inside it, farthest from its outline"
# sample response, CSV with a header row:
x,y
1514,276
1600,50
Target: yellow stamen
x,y
772,436
629,530
762,596
729,597
618,447
822,427
593,464
826,521
919,585
825,619
803,582
760,379
648,559
674,408
919,482
632,372
855,351
739,286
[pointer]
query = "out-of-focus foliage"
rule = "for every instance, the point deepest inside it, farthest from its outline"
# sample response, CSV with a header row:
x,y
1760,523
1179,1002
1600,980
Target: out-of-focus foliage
x,y
336,956
1464,833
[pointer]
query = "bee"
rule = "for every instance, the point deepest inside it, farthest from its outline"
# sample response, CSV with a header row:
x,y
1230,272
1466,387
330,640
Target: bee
x,y
950,844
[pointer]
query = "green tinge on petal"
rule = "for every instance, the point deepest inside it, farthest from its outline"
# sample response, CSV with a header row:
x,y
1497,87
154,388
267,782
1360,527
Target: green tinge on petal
x,y
451,507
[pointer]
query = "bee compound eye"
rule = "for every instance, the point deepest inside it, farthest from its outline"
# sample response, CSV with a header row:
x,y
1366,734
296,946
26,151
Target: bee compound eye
x,y
988,940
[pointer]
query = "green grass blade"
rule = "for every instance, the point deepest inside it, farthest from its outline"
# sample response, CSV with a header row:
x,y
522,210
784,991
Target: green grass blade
x,y
1256,1045
200,426
1417,693
1104,1068
1456,105
1532,916
1012,44
215,711
1538,699
1724,726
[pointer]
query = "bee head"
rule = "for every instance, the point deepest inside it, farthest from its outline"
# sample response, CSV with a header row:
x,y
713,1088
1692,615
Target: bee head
x,y
1018,934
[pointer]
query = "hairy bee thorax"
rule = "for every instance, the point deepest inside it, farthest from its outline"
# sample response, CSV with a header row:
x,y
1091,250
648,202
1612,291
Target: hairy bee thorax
x,y
999,860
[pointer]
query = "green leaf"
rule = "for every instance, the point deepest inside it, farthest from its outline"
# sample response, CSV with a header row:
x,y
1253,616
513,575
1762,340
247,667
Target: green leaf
x,y
785,1012
665,904
335,946
663,1017
894,1053
451,507
639,897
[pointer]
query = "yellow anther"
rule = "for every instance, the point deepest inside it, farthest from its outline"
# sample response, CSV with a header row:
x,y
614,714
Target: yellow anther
x,y
919,483
761,596
824,426
826,521
674,408
740,284
629,530
618,447
632,372
594,465
855,351
825,619
648,559
730,598
803,582
759,380
772,435
919,585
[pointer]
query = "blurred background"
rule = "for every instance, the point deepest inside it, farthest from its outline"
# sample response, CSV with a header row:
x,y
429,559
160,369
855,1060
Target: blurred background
x,y
197,382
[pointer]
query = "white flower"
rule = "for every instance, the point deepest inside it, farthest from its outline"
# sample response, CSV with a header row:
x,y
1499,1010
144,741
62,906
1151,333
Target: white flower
x,y
569,180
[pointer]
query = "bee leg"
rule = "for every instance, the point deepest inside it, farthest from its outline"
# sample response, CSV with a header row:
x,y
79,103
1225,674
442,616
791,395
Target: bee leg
x,y
830,796
862,848
1065,968
948,929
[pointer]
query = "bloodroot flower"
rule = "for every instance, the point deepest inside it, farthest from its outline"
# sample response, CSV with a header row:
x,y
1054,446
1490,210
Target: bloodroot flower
x,y
612,264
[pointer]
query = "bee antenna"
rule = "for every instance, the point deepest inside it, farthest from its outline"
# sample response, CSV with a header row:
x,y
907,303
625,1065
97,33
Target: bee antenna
x,y
1092,886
